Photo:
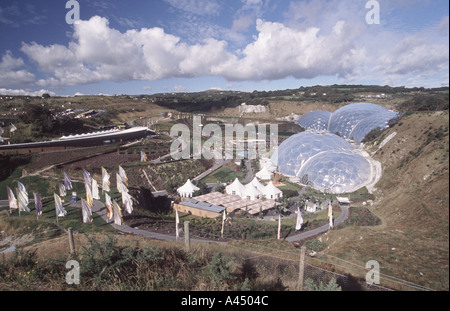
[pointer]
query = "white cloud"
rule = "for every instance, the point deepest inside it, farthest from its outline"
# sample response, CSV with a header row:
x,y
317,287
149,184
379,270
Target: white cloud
x,y
197,7
344,48
10,72
22,92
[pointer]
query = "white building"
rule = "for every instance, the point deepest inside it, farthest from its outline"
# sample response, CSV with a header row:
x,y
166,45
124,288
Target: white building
x,y
272,192
236,188
187,190
265,174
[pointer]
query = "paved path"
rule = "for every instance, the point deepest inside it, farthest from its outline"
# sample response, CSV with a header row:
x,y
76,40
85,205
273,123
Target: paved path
x,y
100,209
310,233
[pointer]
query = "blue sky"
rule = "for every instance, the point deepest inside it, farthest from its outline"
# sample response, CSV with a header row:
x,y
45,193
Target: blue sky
x,y
146,47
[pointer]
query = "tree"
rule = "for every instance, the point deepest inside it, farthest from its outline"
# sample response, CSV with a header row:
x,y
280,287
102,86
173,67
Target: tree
x,y
332,286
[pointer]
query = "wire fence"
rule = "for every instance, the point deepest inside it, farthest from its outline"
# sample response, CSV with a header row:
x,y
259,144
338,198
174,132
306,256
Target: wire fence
x,y
286,269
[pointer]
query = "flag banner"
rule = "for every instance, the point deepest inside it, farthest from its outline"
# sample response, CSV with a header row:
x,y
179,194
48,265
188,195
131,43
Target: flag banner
x,y
118,220
38,203
127,202
60,211
109,207
62,190
279,227
123,175
86,211
89,198
95,193
120,185
22,199
22,188
330,214
105,180
87,178
143,157
67,182
12,199
12,128
224,218
299,223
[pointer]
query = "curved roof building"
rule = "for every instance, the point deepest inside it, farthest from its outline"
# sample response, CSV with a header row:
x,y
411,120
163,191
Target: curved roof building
x,y
315,120
324,161
355,121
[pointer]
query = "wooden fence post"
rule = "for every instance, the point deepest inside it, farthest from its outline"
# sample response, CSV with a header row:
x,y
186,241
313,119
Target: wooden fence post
x,y
71,241
301,268
187,239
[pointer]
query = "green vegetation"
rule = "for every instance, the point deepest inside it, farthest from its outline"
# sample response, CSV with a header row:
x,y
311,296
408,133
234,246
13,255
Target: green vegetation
x,y
224,175
332,286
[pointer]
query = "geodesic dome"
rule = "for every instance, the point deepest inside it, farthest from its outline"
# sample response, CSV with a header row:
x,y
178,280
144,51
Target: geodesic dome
x,y
315,120
337,172
355,121
323,160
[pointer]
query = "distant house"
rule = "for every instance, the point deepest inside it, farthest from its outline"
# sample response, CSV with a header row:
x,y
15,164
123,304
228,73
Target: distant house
x,y
198,208
310,207
343,200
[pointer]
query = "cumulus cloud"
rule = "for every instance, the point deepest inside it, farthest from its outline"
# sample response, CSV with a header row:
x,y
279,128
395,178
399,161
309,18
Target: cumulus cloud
x,y
10,72
99,53
22,92
295,48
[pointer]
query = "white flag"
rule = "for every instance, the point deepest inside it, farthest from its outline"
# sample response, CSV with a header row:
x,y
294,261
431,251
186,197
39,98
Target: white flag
x,y
86,211
117,214
12,128
95,193
127,202
60,211
105,180
62,190
123,176
38,203
223,222
279,227
299,224
67,182
120,185
22,198
143,157
330,214
109,207
12,199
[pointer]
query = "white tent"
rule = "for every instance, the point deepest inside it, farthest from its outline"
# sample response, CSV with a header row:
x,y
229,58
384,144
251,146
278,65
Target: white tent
x,y
258,185
272,192
251,192
264,174
187,190
236,188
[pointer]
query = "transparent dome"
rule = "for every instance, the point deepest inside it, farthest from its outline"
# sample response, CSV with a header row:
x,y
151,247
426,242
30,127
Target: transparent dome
x,y
315,120
336,172
292,154
355,121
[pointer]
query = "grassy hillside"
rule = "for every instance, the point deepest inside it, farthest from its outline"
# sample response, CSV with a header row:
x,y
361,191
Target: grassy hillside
x,y
412,201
